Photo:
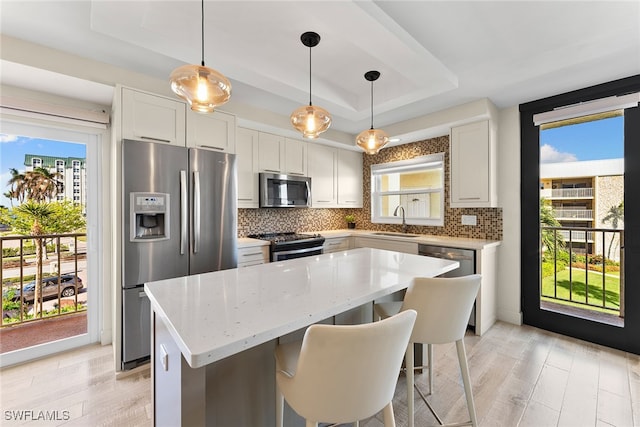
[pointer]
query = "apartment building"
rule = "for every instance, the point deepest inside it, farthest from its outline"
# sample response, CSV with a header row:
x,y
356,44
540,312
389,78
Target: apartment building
x,y
582,194
71,175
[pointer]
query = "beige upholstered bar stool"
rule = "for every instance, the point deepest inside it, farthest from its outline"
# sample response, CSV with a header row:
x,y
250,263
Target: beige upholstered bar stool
x,y
444,306
342,374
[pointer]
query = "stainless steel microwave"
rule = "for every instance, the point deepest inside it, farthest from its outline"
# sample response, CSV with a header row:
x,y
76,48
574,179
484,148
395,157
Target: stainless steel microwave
x,y
284,191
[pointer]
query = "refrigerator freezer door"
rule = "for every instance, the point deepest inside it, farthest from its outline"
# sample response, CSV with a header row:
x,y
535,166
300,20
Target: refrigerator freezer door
x,y
214,217
136,330
149,167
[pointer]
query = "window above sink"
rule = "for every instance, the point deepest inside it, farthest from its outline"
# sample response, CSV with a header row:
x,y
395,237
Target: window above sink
x,y
417,185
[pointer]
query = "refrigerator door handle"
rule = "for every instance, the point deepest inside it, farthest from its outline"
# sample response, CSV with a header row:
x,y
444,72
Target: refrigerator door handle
x,y
196,212
183,211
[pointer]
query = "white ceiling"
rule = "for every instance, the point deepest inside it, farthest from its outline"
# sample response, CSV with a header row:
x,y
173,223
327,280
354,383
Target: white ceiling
x,y
432,54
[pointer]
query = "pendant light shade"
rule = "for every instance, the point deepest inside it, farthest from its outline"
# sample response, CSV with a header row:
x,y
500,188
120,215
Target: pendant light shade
x,y
202,87
310,120
372,140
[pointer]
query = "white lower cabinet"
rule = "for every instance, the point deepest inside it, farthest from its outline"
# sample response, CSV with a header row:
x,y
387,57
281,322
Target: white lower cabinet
x,y
336,244
389,245
253,255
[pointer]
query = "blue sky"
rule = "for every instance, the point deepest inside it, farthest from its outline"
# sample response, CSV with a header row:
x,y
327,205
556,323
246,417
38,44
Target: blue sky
x,y
600,139
13,148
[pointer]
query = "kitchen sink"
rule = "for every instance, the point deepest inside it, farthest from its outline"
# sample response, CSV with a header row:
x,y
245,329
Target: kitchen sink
x,y
395,234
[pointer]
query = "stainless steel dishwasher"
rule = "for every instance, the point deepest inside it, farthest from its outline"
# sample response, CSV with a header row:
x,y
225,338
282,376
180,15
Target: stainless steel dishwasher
x,y
466,258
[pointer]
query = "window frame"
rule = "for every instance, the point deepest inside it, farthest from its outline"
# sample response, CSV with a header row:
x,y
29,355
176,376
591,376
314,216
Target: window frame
x,y
417,164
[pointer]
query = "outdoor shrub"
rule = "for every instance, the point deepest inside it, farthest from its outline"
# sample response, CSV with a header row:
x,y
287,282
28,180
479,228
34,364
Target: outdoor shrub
x,y
8,303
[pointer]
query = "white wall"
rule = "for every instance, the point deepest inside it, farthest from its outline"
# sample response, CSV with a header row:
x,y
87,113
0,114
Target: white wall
x,y
509,309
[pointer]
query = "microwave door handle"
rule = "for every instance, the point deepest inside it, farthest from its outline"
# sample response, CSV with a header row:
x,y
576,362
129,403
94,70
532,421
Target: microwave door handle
x,y
183,210
306,184
196,212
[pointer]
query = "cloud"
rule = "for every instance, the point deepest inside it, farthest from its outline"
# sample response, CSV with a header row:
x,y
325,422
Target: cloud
x,y
549,154
8,138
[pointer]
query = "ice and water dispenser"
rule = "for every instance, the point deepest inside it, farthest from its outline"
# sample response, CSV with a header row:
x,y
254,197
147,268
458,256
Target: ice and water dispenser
x,y
149,217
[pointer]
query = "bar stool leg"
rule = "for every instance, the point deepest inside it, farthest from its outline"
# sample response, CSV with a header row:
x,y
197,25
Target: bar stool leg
x,y
464,370
388,418
430,361
408,361
279,407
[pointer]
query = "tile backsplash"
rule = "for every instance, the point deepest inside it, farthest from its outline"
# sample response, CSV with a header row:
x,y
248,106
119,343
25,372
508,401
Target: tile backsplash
x,y
489,220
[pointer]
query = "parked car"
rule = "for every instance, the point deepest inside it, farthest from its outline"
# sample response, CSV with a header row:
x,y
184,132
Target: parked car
x,y
70,284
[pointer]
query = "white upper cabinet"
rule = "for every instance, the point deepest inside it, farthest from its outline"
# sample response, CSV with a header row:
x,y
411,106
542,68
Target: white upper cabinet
x,y
473,166
349,179
270,153
281,155
295,157
247,167
152,118
323,172
216,131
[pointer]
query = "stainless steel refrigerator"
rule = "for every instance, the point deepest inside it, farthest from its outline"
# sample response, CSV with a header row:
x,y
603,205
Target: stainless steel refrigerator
x,y
179,218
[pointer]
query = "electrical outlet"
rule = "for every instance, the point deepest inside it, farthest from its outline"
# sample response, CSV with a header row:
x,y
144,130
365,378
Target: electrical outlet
x,y
469,220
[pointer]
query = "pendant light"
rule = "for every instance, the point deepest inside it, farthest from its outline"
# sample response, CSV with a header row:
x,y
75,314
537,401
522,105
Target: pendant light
x,y
372,140
309,119
202,87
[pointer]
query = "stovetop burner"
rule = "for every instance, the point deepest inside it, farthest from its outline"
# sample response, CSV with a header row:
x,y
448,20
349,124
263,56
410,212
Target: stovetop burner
x,y
283,238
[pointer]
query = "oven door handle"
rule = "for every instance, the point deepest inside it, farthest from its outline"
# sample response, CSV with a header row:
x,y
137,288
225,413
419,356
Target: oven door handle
x,y
297,251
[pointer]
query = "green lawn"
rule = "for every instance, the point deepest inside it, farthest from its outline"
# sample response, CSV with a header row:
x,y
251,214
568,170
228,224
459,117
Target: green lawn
x,y
611,288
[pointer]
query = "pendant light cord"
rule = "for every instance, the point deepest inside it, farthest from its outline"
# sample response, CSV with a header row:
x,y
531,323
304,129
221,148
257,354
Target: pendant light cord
x,y
202,18
310,76
372,105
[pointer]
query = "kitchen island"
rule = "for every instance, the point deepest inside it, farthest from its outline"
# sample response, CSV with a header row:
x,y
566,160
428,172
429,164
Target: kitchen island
x,y
213,334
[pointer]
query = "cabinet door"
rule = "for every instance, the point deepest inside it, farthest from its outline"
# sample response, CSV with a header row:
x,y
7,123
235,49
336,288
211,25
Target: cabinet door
x,y
349,179
295,159
270,153
247,167
215,131
336,244
389,245
473,180
152,118
322,170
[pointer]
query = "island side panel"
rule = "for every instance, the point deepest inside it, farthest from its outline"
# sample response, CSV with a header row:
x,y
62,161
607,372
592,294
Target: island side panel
x,y
241,388
179,392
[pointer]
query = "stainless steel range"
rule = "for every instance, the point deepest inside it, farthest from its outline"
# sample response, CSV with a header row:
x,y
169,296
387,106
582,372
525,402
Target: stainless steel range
x,y
291,245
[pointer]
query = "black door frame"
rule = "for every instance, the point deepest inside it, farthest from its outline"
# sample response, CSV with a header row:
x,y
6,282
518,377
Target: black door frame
x,y
625,338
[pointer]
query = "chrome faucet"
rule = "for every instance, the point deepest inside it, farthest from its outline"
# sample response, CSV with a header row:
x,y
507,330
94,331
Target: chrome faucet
x,y
404,222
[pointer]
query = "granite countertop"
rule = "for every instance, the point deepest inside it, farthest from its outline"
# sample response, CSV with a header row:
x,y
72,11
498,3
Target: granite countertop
x,y
429,239
214,315
247,242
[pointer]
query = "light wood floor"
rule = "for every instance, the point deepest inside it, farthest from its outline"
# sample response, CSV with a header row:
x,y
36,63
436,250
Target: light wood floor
x,y
521,376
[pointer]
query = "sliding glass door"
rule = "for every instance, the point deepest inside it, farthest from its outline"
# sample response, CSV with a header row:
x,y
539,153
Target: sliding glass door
x,y
580,169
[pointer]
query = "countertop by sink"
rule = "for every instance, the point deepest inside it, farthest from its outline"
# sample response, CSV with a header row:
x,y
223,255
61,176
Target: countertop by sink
x,y
429,239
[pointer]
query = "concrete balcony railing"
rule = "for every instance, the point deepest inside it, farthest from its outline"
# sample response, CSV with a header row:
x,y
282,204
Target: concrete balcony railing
x,y
577,236
567,193
573,214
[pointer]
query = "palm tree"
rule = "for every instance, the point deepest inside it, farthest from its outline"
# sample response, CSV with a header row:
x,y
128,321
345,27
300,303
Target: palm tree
x,y
41,184
17,189
551,239
615,215
38,212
